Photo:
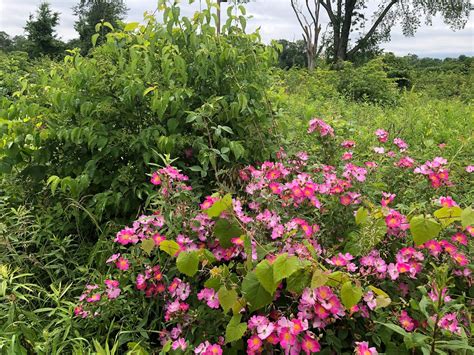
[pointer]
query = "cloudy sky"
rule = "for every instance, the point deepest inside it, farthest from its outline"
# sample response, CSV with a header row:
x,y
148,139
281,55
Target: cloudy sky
x,y
275,19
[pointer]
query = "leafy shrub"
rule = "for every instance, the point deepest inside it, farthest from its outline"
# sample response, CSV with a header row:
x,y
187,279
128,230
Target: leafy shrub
x,y
368,82
91,125
311,258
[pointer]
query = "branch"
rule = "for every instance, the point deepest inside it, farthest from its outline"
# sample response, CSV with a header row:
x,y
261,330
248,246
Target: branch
x,y
327,7
369,34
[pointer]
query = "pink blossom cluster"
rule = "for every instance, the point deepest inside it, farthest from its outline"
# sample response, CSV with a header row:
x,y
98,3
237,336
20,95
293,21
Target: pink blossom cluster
x,y
436,172
322,127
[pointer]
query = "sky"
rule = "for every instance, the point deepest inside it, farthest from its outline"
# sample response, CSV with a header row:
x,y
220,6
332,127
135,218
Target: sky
x,y
274,18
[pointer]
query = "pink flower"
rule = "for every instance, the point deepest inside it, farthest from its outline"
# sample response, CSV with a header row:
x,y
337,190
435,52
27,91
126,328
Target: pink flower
x,y
113,258
382,135
286,338
347,156
459,238
254,343
310,345
379,150
113,293
447,201
406,321
94,298
322,127
470,168
155,179
348,144
210,296
400,144
179,344
122,264
362,348
126,236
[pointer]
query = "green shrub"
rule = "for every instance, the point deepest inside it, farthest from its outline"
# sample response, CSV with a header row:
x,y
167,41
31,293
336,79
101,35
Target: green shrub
x,y
91,126
368,82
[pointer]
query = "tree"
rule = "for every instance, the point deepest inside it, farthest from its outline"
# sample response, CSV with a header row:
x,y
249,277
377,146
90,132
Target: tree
x,y
311,27
41,33
6,42
292,54
347,17
91,12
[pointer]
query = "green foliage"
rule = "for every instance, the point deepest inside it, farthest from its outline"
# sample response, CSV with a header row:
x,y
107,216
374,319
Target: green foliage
x,y
41,33
90,13
368,82
95,124
423,229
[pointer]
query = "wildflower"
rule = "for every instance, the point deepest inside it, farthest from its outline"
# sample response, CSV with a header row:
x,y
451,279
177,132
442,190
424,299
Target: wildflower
x,y
113,258
94,298
126,236
179,344
470,168
348,144
379,150
310,345
155,179
447,201
210,296
382,135
122,264
406,321
347,156
322,127
459,238
286,338
449,322
254,343
362,348
400,144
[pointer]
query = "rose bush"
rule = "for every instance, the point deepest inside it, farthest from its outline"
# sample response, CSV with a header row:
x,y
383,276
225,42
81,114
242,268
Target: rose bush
x,y
308,257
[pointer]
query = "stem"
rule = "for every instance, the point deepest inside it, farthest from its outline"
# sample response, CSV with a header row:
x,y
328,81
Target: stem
x,y
435,329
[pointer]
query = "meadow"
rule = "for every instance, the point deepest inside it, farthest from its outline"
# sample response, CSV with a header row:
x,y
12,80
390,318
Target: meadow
x,y
176,192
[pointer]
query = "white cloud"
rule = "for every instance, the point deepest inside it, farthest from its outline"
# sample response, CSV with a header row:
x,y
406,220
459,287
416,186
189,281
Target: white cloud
x,y
275,18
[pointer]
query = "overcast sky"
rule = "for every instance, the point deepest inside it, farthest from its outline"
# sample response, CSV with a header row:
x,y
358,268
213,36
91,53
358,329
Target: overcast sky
x,y
275,19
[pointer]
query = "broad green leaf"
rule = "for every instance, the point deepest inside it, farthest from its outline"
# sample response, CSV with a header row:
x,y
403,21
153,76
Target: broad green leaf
x,y
264,273
350,294
131,26
336,278
448,215
224,204
378,291
298,281
382,301
188,262
225,230
213,282
284,266
94,38
170,247
254,292
53,181
148,90
148,245
361,215
227,298
319,278
235,330
423,229
467,217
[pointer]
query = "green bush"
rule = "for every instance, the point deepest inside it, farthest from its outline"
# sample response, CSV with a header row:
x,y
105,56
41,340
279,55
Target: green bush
x,y
91,126
368,82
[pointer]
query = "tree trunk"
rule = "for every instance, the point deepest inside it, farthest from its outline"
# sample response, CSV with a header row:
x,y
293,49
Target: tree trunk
x,y
343,38
218,24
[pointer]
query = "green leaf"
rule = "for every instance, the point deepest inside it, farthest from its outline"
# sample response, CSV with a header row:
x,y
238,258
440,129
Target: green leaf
x,y
225,230
227,298
148,245
448,215
220,206
423,229
467,217
131,26
188,262
94,38
350,294
254,292
264,273
284,266
336,278
298,281
170,247
235,330
361,215
148,90
53,181
319,278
